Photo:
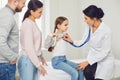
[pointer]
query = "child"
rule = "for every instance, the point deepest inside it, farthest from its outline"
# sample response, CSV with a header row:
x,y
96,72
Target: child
x,y
55,43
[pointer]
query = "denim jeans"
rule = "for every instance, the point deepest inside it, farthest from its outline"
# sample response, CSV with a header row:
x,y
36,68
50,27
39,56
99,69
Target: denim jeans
x,y
60,62
26,68
7,71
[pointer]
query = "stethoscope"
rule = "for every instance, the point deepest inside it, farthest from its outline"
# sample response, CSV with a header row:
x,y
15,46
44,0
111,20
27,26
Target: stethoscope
x,y
86,40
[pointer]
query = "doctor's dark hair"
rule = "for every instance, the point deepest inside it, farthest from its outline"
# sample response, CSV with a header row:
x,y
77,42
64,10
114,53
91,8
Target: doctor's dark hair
x,y
93,11
59,20
32,5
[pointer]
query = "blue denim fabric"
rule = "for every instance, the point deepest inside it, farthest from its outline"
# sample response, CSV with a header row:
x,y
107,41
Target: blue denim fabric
x,y
60,62
7,71
26,68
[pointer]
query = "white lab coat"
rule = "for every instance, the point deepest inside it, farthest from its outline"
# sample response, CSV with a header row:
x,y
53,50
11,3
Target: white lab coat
x,y
100,51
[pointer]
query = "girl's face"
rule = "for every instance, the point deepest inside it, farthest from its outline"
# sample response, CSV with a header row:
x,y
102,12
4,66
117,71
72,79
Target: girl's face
x,y
64,26
89,21
37,14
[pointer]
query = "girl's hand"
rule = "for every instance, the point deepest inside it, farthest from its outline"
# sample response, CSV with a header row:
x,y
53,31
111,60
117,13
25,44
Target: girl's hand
x,y
67,38
42,70
83,65
43,61
53,34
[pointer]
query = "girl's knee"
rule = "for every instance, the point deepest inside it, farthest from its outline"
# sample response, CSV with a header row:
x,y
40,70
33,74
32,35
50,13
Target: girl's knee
x,y
74,74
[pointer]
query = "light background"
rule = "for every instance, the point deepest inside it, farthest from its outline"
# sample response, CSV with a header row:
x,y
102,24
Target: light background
x,y
72,9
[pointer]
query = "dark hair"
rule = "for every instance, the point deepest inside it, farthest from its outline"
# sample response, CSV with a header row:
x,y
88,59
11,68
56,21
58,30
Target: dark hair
x,y
93,11
32,5
59,20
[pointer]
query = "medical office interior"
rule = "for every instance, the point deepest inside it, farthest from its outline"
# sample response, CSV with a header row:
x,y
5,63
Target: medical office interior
x,y
72,9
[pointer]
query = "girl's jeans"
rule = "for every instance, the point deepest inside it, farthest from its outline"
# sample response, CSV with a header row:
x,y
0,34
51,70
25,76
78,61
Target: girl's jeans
x,y
60,62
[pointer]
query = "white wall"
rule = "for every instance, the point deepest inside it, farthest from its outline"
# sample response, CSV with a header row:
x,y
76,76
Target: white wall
x,y
72,9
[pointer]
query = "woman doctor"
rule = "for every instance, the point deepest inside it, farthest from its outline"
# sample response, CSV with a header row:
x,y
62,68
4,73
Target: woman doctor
x,y
100,62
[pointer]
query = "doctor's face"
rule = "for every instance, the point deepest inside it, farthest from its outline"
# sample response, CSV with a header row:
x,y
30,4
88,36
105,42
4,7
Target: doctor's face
x,y
89,20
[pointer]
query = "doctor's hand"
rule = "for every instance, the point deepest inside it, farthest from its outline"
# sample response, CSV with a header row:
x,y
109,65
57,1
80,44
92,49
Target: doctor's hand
x,y
68,38
42,70
82,65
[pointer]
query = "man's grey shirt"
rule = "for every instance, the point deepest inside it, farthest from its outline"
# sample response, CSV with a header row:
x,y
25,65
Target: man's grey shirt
x,y
9,35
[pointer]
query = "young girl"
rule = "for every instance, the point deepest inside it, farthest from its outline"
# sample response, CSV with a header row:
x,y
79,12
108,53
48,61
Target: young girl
x,y
31,39
55,43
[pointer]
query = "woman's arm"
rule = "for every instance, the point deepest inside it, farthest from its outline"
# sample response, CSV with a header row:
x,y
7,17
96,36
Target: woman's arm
x,y
26,39
100,53
103,51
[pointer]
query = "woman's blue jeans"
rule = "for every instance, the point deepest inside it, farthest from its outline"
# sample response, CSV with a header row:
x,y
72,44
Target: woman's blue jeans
x,y
26,68
60,62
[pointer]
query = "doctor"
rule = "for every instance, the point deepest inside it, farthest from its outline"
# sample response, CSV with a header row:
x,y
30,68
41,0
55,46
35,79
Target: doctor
x,y
100,62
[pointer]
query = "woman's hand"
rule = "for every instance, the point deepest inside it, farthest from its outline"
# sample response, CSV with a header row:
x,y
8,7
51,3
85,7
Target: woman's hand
x,y
42,70
43,61
83,65
68,38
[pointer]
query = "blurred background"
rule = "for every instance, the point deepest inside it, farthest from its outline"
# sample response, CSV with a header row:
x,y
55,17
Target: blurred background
x,y
72,9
